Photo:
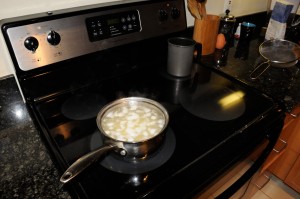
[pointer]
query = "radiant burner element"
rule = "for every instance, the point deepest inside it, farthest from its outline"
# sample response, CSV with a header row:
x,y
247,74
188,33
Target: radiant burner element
x,y
83,106
216,103
137,166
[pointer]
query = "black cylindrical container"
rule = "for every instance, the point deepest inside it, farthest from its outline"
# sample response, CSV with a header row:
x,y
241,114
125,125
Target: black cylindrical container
x,y
242,49
226,28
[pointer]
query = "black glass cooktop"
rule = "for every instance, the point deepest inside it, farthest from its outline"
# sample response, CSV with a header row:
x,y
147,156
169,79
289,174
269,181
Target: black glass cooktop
x,y
211,119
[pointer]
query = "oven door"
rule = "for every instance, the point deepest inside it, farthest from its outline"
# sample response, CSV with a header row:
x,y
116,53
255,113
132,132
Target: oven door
x,y
235,181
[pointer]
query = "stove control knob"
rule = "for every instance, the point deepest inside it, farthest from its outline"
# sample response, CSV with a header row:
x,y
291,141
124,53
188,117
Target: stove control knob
x,y
163,15
175,13
53,38
31,43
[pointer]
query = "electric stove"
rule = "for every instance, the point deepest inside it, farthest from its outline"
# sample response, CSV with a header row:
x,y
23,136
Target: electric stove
x,y
71,63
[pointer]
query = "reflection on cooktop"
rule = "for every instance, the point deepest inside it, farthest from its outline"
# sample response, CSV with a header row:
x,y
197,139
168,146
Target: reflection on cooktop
x,y
83,106
119,164
214,102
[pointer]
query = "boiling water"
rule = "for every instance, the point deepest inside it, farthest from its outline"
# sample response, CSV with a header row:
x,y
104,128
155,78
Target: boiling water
x,y
133,122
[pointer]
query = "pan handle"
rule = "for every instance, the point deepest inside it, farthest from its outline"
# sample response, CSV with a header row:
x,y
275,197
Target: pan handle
x,y
255,76
85,161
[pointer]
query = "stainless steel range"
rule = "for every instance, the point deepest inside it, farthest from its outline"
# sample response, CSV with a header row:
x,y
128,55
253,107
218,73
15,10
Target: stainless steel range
x,y
71,63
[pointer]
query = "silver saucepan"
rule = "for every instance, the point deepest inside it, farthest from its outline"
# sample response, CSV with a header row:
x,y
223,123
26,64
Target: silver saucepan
x,y
278,53
132,127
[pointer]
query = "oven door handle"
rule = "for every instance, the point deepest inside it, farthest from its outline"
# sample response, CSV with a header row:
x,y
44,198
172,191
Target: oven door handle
x,y
249,173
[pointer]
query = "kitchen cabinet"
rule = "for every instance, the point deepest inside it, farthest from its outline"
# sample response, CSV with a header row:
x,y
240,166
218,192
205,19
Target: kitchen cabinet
x,y
293,177
284,161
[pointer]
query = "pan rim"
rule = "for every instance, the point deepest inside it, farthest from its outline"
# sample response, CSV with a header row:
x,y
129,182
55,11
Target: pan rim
x,y
127,100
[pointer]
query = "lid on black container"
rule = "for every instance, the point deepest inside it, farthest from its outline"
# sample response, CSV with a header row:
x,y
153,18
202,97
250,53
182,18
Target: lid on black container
x,y
227,18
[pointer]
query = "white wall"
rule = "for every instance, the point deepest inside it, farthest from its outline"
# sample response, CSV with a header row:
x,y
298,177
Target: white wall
x,y
12,8
238,8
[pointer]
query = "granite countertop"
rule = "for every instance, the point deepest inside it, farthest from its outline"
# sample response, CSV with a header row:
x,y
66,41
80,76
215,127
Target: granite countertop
x,y
282,84
26,169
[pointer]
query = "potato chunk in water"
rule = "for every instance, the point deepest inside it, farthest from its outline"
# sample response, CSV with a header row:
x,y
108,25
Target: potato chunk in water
x,y
133,122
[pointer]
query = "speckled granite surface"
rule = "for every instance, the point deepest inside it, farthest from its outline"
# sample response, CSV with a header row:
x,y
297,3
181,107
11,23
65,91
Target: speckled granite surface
x,y
282,84
26,170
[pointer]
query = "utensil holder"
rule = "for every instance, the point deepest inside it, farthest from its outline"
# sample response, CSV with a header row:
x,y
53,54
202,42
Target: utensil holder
x,y
205,32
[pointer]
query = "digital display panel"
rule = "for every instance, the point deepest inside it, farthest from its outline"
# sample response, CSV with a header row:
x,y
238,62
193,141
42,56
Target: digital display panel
x,y
113,25
113,21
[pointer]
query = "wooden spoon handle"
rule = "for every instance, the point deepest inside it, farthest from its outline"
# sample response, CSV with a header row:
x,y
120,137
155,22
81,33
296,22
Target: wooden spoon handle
x,y
203,9
193,8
